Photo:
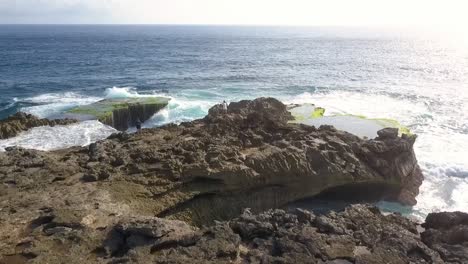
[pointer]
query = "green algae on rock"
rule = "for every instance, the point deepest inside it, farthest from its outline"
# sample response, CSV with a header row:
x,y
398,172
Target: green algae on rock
x,y
122,113
125,197
358,125
305,112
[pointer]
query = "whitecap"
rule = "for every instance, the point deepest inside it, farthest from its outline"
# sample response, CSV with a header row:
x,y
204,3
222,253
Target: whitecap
x,y
180,110
128,92
441,147
56,103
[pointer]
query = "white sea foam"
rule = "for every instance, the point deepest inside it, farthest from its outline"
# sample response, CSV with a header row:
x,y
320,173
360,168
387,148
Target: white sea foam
x,y
8,105
58,137
441,147
371,105
180,110
56,103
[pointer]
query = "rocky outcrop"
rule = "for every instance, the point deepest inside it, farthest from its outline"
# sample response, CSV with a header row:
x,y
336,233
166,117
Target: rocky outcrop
x,y
447,233
198,172
121,113
359,234
20,122
213,168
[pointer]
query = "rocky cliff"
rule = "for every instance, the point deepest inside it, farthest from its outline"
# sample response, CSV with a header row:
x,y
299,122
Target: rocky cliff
x,y
20,122
132,191
121,113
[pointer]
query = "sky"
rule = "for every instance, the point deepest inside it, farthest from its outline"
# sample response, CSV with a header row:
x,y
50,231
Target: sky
x,y
452,13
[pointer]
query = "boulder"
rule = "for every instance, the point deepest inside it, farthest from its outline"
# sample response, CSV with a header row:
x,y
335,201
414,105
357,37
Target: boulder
x,y
388,133
447,233
121,113
20,122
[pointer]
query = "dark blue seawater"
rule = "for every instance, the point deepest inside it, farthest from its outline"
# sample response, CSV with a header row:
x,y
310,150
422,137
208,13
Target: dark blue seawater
x,y
418,78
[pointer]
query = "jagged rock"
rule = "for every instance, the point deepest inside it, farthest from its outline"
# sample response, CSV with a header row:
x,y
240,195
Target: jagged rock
x,y
211,169
201,172
447,233
388,133
20,122
121,113
152,233
276,236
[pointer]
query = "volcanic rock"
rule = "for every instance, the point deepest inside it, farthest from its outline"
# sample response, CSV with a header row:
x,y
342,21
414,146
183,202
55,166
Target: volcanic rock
x,y
203,172
447,233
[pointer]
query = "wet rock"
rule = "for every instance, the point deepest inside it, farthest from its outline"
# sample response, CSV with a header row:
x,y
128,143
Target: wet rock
x,y
121,113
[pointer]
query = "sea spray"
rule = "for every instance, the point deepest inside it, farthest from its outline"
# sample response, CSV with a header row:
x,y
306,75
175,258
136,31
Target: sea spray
x,y
59,137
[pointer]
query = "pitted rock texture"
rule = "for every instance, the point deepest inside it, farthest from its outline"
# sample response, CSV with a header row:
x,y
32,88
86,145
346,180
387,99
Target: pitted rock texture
x,y
359,234
447,233
20,122
197,172
213,168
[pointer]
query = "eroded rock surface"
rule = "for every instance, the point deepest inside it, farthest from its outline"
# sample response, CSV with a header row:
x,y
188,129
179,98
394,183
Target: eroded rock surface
x,y
20,122
447,233
197,172
360,234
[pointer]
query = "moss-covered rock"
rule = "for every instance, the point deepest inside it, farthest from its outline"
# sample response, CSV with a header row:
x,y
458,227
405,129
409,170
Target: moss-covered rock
x,y
122,113
305,112
359,125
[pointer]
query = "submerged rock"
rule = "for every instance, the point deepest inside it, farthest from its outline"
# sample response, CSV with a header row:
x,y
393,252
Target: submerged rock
x,y
121,113
358,125
20,122
202,172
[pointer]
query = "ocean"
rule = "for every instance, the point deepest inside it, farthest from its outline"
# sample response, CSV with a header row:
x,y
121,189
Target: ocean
x,y
418,78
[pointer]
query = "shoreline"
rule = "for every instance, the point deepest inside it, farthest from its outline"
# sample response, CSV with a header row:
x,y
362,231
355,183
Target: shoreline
x,y
146,196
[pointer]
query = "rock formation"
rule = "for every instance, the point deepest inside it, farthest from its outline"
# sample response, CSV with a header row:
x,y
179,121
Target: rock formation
x,y
359,234
447,233
133,191
20,122
121,113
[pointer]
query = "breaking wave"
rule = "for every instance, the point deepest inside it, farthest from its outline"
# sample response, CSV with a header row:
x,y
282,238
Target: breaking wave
x,y
59,137
442,146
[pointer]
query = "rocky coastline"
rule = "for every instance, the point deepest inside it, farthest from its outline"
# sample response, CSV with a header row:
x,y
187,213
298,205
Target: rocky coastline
x,y
21,122
179,193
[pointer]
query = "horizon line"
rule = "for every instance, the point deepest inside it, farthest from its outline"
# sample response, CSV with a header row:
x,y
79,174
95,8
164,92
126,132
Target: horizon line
x,y
201,24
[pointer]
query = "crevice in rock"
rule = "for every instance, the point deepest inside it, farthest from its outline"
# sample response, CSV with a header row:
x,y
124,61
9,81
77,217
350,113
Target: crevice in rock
x,y
42,220
187,204
337,198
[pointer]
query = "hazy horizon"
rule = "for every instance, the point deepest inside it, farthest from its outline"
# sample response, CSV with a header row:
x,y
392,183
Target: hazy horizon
x,y
357,13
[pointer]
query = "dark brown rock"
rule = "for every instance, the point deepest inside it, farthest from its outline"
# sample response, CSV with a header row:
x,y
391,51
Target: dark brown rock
x,y
202,172
275,236
447,233
388,133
